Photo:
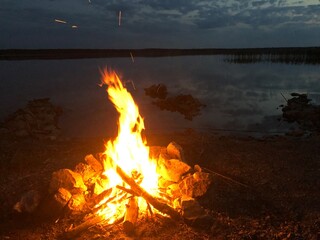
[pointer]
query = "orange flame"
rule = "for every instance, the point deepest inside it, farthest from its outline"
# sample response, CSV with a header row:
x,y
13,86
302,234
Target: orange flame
x,y
127,150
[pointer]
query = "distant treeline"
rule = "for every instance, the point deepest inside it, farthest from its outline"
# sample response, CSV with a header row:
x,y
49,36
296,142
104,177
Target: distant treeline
x,y
303,55
295,55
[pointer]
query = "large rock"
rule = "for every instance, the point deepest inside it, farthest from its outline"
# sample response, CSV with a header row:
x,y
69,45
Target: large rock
x,y
28,202
163,183
77,202
94,163
154,151
172,169
194,214
191,208
195,185
174,191
87,173
62,197
175,151
65,178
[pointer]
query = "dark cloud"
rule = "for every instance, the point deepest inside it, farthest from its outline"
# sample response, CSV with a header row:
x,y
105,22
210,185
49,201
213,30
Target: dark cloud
x,y
178,23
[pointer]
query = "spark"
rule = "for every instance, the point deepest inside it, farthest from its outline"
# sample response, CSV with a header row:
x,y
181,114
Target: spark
x,y
130,82
119,18
132,57
134,87
60,21
74,26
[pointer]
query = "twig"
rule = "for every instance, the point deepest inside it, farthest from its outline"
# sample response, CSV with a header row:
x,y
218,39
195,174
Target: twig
x,y
227,178
72,233
162,207
96,200
150,209
126,190
110,199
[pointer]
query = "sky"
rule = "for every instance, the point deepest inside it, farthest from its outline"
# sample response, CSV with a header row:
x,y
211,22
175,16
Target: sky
x,y
159,23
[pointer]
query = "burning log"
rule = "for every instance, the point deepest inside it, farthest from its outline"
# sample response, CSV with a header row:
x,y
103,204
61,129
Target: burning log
x,y
162,207
103,202
73,232
97,199
91,221
131,215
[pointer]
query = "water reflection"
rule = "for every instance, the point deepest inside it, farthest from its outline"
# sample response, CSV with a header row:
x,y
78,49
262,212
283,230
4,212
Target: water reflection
x,y
238,97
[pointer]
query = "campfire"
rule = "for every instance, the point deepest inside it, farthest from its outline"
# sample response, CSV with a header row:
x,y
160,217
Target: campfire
x,y
130,179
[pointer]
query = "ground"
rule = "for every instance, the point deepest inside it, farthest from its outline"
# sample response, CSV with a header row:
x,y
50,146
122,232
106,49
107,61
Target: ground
x,y
266,188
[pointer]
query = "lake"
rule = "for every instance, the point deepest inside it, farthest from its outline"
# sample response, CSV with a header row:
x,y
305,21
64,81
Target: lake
x,y
238,97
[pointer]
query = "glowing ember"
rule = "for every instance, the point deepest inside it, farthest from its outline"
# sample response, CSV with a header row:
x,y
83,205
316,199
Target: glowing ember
x,y
127,150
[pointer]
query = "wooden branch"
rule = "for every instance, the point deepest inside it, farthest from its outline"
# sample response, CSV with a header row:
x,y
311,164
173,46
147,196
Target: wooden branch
x,y
97,199
126,190
95,220
162,207
110,199
227,178
149,209
72,233
131,215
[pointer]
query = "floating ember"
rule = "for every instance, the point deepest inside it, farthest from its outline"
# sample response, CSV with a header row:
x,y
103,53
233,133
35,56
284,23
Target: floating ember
x,y
130,179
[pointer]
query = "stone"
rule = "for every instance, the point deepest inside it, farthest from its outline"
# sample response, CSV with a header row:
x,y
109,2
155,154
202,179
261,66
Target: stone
x,y
191,208
62,197
186,186
177,203
175,151
28,202
174,191
202,183
94,163
100,185
164,156
197,168
65,178
154,151
157,91
77,202
194,214
172,169
163,183
87,173
195,185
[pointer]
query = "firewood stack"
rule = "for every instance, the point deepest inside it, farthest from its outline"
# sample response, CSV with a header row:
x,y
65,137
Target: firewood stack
x,y
83,189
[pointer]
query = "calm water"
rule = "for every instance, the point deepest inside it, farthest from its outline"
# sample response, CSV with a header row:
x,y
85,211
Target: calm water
x,y
239,97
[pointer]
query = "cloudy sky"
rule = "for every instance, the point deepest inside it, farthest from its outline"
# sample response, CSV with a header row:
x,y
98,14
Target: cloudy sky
x,y
159,23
